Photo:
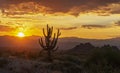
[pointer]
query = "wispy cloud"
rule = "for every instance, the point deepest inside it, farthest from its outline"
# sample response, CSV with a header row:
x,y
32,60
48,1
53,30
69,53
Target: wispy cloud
x,y
93,26
69,28
4,28
117,23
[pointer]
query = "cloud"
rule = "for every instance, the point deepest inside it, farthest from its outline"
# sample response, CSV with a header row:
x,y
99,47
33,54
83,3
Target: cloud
x,y
94,26
53,6
110,9
115,8
4,28
69,28
117,23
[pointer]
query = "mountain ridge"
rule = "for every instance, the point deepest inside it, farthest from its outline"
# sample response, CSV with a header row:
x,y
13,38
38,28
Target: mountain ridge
x,y
63,43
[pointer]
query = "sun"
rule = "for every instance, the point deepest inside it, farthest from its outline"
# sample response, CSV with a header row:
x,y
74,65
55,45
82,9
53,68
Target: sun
x,y
21,34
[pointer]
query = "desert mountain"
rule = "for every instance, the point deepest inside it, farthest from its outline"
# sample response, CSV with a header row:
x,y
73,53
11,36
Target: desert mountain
x,y
31,42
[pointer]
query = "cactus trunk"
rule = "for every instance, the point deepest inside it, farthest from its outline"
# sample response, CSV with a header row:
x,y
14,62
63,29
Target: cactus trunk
x,y
49,56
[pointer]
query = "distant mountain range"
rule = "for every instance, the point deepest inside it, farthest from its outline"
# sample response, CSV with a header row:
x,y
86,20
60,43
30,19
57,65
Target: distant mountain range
x,y
71,42
66,43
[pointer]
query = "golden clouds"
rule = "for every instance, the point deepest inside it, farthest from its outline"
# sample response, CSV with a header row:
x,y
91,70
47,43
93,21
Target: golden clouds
x,y
24,8
4,28
18,7
95,18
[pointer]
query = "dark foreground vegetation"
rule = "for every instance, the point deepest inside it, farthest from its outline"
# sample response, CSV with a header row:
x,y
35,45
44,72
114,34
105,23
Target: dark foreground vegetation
x,y
79,59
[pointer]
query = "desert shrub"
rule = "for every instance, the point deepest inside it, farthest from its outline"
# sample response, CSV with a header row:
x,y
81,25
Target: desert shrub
x,y
64,67
104,60
32,56
69,58
66,64
3,62
11,69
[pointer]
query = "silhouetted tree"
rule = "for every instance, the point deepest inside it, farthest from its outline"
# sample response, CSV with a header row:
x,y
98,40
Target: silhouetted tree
x,y
49,44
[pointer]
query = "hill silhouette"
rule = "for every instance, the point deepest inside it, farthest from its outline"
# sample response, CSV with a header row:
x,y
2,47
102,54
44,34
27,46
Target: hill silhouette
x,y
82,50
31,42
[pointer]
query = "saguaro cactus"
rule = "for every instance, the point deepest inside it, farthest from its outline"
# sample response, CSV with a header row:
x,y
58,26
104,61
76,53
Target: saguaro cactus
x,y
50,43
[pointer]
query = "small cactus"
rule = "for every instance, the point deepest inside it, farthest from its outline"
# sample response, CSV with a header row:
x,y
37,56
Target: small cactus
x,y
50,43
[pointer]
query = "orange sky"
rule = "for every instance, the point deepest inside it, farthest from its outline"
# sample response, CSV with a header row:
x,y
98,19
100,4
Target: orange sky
x,y
95,19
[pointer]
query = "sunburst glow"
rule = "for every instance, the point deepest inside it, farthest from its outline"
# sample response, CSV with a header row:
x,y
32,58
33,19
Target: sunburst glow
x,y
21,34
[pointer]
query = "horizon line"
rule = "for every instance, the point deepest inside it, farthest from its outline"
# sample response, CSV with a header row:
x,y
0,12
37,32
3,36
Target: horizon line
x,y
61,37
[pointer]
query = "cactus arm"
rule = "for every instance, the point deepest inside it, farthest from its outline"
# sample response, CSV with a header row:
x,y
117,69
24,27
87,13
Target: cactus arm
x,y
56,39
41,43
44,32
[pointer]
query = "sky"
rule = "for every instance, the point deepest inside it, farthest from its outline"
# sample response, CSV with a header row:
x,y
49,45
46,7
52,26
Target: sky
x,y
91,19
